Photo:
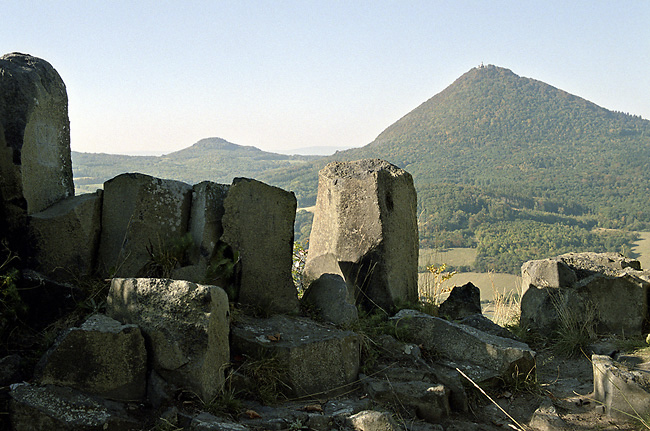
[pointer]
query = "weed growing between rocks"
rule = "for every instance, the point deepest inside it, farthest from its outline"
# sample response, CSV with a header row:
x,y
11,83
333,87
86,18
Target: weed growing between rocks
x,y
575,330
298,266
165,257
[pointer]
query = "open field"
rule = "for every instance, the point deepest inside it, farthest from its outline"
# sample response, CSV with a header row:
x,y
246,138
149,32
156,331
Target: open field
x,y
489,283
642,249
449,256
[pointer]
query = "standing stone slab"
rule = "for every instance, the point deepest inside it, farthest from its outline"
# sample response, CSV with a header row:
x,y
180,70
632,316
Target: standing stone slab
x,y
365,229
258,225
316,358
35,164
67,236
186,324
140,212
102,357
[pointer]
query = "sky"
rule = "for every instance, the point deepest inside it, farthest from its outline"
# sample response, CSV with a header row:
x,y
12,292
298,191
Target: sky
x,y
152,77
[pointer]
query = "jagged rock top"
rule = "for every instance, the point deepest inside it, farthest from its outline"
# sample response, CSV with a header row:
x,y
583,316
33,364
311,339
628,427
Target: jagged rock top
x,y
360,168
584,264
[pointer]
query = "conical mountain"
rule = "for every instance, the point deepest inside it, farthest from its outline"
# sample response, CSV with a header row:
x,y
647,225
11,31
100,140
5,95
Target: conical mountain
x,y
494,128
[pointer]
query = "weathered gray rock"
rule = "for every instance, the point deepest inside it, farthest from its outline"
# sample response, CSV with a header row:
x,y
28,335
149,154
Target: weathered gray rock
x,y
101,357
365,229
427,401
371,420
622,390
207,422
463,301
482,323
317,358
53,408
329,296
186,324
205,218
141,212
35,164
481,356
258,225
67,236
584,285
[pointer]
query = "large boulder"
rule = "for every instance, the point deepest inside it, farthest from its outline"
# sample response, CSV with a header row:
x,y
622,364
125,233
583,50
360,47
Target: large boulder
x,y
35,163
67,236
101,357
463,301
186,325
328,296
142,217
365,229
316,359
483,357
258,226
603,290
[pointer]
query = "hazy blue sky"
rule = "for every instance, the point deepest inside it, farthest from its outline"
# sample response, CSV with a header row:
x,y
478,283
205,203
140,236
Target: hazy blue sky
x,y
160,75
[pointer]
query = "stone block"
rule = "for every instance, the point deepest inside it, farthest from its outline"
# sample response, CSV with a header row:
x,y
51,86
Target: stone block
x,y
53,408
482,356
365,229
315,358
587,295
328,296
35,163
141,212
258,226
623,391
101,357
187,327
67,236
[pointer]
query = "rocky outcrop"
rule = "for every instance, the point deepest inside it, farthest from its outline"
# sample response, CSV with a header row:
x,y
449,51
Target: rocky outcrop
x,y
463,301
142,216
67,236
185,324
258,226
101,357
584,285
365,230
316,359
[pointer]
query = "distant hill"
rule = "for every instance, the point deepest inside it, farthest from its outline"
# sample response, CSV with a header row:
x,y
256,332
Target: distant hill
x,y
508,164
213,159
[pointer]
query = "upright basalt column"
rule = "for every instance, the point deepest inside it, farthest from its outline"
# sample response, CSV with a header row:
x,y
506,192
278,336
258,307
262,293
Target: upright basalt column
x,y
35,164
365,229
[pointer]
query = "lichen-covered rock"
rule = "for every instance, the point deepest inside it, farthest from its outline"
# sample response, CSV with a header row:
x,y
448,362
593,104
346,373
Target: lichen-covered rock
x,y
482,356
101,357
67,236
35,164
141,216
316,358
371,420
53,408
365,229
258,225
186,325
603,289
